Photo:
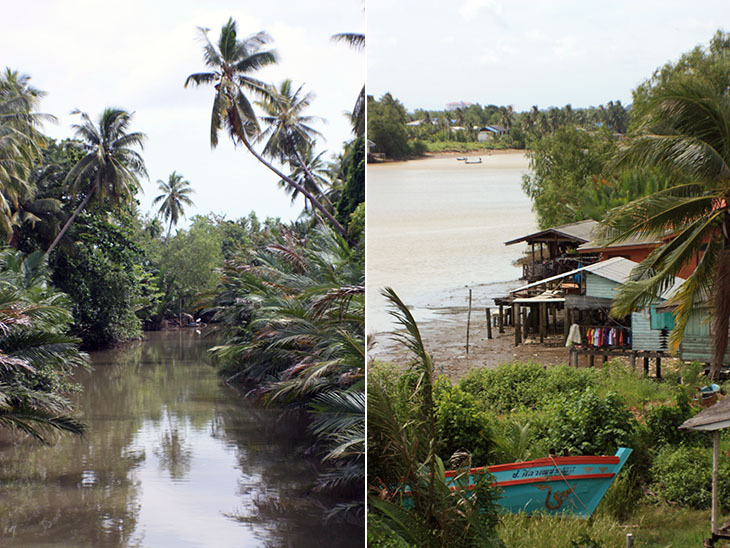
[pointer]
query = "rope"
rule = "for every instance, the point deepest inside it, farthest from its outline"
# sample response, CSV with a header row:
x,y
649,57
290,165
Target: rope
x,y
566,483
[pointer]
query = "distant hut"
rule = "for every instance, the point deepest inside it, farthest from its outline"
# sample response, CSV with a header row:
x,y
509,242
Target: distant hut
x,y
584,296
553,250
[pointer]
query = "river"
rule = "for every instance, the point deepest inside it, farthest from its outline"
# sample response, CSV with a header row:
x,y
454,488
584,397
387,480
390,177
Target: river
x,y
172,457
437,227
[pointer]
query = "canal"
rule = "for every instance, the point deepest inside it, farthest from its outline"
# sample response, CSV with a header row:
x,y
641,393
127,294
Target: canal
x,y
172,457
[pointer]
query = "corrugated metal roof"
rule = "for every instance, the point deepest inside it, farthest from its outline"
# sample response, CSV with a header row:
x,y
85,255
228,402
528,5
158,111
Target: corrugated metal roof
x,y
616,269
591,268
579,232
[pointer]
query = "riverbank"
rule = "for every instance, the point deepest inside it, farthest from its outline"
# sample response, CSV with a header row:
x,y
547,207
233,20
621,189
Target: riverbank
x,y
454,154
445,340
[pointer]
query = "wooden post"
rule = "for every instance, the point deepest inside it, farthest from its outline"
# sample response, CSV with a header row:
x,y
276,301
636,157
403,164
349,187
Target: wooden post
x,y
525,327
566,322
646,366
501,318
605,358
489,323
632,360
518,327
468,322
554,309
715,468
592,360
573,357
629,540
542,307
658,367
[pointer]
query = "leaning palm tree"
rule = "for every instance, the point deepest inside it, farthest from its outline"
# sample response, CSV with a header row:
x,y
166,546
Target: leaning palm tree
x,y
289,135
686,132
111,167
231,63
175,195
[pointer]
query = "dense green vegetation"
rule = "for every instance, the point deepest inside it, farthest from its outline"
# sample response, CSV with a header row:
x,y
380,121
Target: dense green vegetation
x,y
289,298
398,134
520,411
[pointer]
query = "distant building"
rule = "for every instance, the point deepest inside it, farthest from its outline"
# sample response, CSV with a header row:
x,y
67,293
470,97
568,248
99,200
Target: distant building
x,y
458,104
490,132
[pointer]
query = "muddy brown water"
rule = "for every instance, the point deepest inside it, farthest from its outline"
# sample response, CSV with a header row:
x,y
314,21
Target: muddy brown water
x,y
172,457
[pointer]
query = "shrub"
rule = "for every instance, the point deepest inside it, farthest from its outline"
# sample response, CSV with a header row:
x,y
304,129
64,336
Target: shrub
x,y
588,424
662,423
514,385
461,423
683,475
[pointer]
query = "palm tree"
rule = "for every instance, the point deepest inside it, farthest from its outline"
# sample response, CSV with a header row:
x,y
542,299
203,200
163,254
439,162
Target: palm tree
x,y
35,355
175,194
313,169
686,132
20,144
110,168
231,63
288,134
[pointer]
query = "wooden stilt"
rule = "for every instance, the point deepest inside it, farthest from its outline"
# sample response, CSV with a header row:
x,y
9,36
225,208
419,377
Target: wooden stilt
x,y
543,321
501,318
525,327
658,368
592,360
632,360
646,366
518,327
489,323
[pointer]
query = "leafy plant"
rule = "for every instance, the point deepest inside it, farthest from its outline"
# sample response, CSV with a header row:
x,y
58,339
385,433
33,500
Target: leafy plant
x,y
588,424
461,423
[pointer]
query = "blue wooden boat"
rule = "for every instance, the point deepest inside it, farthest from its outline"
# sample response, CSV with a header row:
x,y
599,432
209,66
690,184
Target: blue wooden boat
x,y
554,485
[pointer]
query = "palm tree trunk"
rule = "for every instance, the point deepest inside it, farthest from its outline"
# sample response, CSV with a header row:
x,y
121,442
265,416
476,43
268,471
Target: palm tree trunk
x,y
309,175
721,316
316,203
71,219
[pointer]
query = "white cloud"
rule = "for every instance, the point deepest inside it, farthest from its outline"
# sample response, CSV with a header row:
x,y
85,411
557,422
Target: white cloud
x,y
471,8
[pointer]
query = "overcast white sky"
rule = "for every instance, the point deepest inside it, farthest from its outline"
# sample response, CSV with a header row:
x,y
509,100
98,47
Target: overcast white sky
x,y
136,54
528,52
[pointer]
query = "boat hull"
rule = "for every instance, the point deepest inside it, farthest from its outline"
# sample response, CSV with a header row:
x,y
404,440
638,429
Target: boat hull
x,y
554,485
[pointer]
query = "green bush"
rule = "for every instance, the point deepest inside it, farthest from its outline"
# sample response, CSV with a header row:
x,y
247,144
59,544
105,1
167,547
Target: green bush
x,y
511,386
382,536
461,423
663,421
683,475
588,424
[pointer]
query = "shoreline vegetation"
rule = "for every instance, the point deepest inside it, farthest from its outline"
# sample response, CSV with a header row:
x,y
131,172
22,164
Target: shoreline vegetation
x,y
80,258
653,168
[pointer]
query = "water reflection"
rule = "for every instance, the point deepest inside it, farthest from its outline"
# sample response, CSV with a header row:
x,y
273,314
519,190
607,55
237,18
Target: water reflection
x,y
170,456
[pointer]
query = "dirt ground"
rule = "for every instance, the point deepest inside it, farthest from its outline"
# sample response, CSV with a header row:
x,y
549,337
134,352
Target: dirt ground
x,y
445,339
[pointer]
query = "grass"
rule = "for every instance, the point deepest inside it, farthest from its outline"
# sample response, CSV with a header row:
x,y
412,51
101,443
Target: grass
x,y
652,527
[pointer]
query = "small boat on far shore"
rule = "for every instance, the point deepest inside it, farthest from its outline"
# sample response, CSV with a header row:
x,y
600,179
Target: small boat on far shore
x,y
477,161
462,158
